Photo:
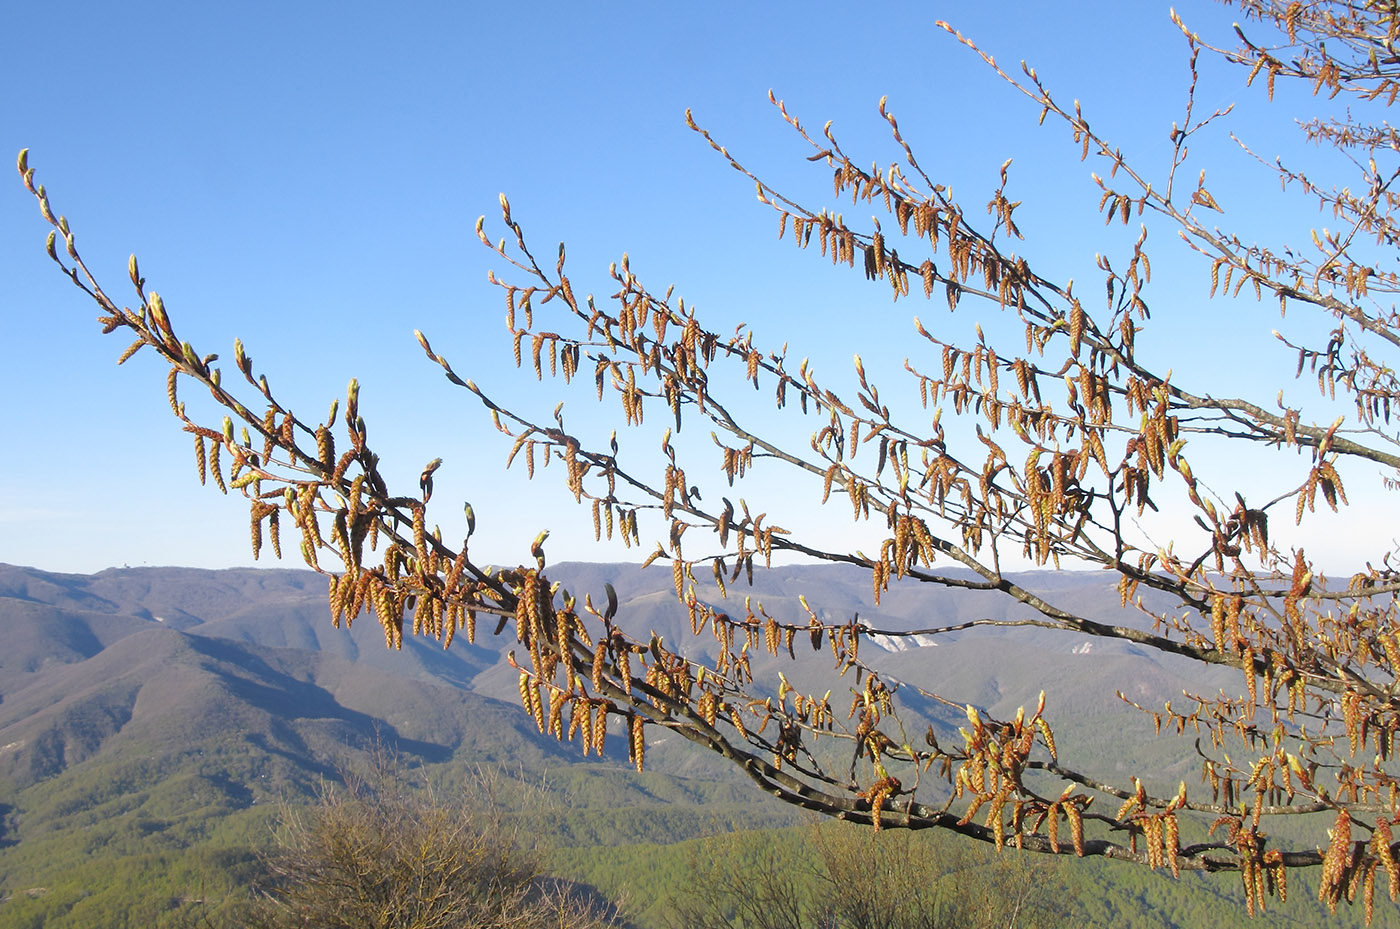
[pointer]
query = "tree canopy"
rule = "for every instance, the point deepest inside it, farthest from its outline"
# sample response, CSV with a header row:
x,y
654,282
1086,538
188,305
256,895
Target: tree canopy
x,y
1055,449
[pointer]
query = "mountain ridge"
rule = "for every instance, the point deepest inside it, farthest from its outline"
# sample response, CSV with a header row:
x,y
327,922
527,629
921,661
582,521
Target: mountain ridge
x,y
148,715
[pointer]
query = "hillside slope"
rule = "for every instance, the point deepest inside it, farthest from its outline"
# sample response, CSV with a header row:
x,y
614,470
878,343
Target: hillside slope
x,y
152,719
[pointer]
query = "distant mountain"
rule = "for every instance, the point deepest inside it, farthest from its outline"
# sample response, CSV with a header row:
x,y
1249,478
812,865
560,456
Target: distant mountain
x,y
996,668
153,720
343,681
144,709
155,716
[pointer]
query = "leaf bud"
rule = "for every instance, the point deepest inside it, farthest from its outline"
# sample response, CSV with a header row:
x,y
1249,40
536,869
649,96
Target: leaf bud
x,y
157,306
44,206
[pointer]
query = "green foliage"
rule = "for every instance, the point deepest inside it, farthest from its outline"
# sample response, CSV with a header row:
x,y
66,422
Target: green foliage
x,y
833,875
133,890
655,879
163,864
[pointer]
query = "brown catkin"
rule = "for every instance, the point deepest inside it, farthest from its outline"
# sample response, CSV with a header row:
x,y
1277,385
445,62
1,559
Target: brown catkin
x,y
624,668
1076,827
708,707
583,709
557,699
565,622
363,588
255,529
638,741
576,714
214,467
1335,861
600,658
420,533
738,721
537,706
395,623
454,574
335,599
325,447
600,729
274,532
1171,843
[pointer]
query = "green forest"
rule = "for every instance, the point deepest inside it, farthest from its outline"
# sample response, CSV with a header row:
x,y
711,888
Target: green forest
x,y
667,850
148,774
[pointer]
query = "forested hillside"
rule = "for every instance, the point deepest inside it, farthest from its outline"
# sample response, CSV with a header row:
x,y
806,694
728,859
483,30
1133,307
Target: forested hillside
x,y
152,722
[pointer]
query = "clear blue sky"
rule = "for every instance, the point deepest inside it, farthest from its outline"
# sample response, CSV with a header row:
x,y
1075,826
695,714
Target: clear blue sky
x,y
307,176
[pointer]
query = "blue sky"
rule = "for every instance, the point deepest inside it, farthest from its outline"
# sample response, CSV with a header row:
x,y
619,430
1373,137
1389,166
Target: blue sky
x,y
307,177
